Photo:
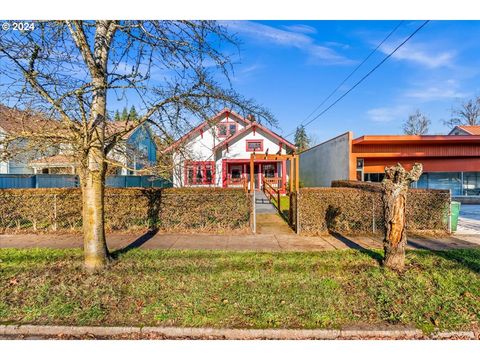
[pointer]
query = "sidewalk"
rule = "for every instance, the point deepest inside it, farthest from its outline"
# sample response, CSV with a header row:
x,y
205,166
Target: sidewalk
x,y
259,242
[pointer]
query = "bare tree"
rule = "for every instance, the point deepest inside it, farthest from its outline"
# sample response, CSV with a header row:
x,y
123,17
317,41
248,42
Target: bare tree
x,y
416,124
395,189
468,113
67,71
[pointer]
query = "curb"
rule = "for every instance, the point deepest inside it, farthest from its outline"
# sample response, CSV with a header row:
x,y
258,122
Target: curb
x,y
229,334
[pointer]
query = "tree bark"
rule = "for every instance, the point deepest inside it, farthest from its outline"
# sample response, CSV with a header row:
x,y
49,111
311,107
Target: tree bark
x,y
93,189
395,189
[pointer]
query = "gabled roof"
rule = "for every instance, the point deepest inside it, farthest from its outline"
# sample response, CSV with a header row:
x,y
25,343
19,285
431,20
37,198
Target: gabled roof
x,y
210,121
469,129
18,122
253,126
15,122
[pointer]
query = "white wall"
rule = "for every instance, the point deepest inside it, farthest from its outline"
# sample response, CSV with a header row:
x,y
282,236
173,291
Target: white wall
x,y
328,161
200,148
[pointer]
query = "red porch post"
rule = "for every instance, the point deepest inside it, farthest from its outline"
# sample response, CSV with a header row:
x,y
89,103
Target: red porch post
x,y
284,175
224,173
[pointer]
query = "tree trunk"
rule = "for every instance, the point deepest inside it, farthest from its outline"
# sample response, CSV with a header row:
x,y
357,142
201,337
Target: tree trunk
x,y
395,189
394,199
93,189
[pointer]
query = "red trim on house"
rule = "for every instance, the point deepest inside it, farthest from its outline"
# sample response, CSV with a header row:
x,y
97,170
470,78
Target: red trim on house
x,y
210,121
245,163
203,168
253,127
253,141
227,124
224,173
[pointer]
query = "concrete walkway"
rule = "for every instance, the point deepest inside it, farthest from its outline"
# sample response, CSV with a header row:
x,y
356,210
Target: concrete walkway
x,y
259,242
262,204
469,220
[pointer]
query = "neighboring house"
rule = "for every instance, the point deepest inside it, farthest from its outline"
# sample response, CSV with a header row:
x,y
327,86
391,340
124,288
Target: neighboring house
x,y
217,153
134,151
449,161
465,130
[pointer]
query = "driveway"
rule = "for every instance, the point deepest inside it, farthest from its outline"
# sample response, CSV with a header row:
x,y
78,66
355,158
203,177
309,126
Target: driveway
x,y
469,220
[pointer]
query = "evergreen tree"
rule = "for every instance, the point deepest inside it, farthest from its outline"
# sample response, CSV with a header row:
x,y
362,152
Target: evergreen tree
x,y
117,116
133,115
124,114
302,141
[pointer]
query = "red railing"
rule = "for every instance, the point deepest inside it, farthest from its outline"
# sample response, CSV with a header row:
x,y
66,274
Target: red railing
x,y
242,182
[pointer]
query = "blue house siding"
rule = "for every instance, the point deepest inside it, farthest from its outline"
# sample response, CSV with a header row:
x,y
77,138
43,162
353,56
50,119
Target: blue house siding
x,y
142,140
71,181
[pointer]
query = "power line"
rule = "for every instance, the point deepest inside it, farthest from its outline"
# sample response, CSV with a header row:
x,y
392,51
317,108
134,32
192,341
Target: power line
x,y
351,73
367,75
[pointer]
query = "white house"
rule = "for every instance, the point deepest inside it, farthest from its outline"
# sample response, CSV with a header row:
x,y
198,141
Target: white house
x,y
217,153
133,152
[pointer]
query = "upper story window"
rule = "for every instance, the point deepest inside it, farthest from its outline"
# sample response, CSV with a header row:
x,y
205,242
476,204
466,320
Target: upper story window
x,y
226,128
254,145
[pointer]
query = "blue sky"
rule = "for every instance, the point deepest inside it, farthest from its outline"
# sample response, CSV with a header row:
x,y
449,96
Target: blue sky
x,y
291,66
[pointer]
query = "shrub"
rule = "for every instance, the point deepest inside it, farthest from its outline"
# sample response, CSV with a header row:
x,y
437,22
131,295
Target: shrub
x,y
206,209
358,208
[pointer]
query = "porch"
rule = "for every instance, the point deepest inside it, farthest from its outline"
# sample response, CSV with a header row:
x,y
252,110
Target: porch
x,y
237,173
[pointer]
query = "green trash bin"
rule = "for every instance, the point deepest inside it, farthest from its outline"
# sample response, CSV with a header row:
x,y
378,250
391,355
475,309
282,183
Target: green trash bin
x,y
454,212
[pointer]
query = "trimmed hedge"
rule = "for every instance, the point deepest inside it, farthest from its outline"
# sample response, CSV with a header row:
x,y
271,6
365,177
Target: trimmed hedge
x,y
201,209
358,209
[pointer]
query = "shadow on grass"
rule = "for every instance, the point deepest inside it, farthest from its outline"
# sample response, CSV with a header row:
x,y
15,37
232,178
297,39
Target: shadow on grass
x,y
353,245
468,258
135,244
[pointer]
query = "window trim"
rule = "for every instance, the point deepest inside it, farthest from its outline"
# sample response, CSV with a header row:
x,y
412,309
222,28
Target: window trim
x,y
253,141
194,165
227,127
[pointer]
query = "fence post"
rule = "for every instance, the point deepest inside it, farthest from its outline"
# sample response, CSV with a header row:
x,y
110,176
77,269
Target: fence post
x,y
297,211
449,213
278,202
55,212
373,214
254,217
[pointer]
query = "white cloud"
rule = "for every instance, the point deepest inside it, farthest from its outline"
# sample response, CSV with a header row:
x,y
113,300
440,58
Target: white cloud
x,y
301,28
387,114
297,39
449,89
420,53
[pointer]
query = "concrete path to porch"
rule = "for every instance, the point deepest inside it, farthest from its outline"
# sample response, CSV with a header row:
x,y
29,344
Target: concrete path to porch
x,y
259,242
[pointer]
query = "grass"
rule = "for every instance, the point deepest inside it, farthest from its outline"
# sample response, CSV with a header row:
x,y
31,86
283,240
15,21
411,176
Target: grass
x,y
284,203
241,289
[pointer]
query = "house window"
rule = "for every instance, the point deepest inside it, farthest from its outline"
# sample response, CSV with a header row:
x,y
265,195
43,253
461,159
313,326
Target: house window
x,y
199,173
254,145
236,172
226,129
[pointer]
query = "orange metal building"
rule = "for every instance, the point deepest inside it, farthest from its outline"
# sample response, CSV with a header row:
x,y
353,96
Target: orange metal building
x,y
449,161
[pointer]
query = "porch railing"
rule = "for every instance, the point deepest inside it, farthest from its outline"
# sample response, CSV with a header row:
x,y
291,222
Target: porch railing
x,y
242,182
275,182
272,193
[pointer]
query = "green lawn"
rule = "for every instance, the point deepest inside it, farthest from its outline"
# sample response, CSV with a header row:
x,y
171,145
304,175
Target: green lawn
x,y
284,203
241,289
